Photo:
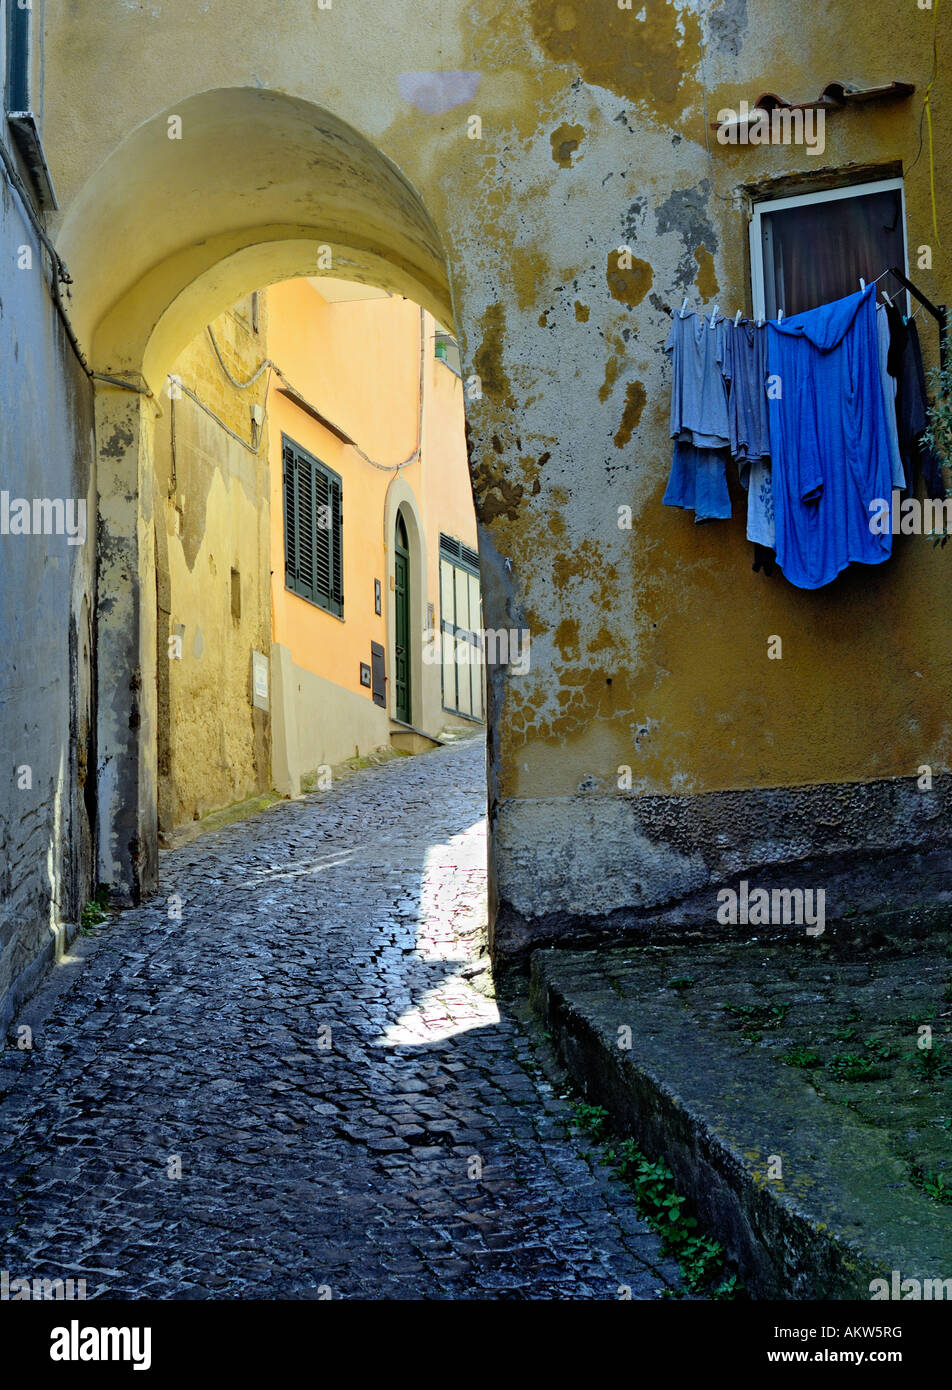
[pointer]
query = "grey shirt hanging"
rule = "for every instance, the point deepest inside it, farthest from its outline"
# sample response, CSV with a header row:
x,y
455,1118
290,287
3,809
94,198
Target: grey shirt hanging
x,y
699,393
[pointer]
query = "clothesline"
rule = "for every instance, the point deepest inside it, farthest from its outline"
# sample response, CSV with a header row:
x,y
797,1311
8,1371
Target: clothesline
x,y
824,415
939,314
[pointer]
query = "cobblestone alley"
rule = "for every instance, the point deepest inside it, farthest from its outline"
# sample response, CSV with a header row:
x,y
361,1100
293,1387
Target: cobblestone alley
x,y
300,1084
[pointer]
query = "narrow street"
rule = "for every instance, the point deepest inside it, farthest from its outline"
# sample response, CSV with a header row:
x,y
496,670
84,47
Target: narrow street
x,y
299,1085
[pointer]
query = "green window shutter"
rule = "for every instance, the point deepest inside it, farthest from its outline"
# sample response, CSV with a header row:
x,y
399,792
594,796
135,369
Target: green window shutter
x,y
337,532
322,539
313,529
290,516
304,492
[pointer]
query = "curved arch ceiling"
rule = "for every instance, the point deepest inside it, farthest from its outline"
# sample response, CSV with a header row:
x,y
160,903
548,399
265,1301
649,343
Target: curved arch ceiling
x,y
169,232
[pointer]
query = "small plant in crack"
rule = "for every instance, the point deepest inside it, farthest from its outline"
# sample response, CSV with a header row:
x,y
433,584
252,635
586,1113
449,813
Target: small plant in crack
x,y
758,1015
931,1063
852,1066
591,1119
751,1018
802,1057
703,1260
934,1185
95,911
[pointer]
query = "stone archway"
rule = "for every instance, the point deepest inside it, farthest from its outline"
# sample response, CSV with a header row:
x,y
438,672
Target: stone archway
x,y
166,234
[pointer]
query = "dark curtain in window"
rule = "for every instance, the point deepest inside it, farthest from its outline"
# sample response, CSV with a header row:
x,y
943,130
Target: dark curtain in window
x,y
817,253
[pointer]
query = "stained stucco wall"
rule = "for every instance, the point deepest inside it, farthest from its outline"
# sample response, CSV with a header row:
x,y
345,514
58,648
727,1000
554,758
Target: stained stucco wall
x,y
48,598
212,527
649,646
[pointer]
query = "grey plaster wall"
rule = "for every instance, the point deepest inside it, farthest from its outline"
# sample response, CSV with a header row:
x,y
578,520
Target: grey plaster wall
x,y
47,611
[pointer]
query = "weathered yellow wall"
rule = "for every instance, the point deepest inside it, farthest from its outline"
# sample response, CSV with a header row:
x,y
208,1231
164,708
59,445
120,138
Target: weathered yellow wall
x,y
212,517
649,647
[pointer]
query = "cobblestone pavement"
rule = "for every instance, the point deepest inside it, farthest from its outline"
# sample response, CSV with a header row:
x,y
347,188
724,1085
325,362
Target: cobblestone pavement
x,y
309,1042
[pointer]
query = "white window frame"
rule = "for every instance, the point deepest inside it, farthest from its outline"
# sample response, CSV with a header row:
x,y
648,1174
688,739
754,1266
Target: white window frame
x,y
829,195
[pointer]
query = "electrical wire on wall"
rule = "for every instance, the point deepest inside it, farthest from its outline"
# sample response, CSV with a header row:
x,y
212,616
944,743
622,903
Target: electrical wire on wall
x,y
394,469
927,108
269,362
59,276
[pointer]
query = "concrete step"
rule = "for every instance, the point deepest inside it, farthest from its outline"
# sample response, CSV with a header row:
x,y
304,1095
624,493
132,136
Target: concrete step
x,y
844,1213
408,739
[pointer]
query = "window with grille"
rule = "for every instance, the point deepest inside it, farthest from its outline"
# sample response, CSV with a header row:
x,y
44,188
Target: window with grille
x,y
313,529
461,628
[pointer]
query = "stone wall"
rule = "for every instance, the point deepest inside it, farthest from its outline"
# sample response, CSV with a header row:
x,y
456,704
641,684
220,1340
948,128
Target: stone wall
x,y
213,573
47,734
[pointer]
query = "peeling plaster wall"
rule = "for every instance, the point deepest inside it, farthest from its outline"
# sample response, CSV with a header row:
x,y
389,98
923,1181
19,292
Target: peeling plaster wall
x,y
648,646
48,587
212,520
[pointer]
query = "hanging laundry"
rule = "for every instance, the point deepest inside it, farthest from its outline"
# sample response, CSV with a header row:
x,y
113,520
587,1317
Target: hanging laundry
x,y
698,392
828,437
912,406
698,482
757,478
890,390
744,368
699,421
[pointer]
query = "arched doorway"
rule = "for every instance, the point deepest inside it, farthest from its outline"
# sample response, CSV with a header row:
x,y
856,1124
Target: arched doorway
x,y
402,703
265,187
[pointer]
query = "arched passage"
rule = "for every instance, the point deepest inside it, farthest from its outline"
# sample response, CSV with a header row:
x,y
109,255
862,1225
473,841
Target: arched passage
x,y
198,206
233,188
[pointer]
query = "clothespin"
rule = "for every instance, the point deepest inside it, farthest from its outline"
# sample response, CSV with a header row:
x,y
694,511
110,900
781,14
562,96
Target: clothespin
x,y
684,306
888,300
862,283
780,316
714,315
737,318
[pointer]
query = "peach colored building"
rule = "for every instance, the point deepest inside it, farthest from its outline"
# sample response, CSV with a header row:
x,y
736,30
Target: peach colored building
x,y
374,582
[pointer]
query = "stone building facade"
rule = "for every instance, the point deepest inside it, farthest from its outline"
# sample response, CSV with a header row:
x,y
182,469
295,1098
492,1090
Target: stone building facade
x,y
492,162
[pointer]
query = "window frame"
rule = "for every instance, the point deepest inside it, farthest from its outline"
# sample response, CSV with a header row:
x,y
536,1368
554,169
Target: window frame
x,y
768,206
451,357
312,594
451,553
18,58
23,100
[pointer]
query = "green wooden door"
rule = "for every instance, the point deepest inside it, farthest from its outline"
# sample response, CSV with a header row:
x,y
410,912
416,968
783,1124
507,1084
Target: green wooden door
x,y
401,653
